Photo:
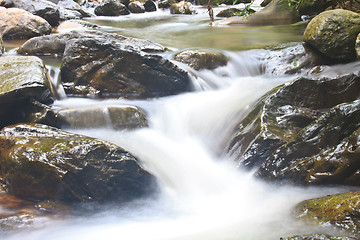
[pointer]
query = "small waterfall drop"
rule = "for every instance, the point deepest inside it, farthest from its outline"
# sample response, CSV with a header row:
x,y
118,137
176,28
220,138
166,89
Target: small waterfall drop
x,y
203,196
57,87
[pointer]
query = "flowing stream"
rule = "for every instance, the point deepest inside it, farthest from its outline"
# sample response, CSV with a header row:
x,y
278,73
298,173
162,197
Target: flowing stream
x,y
203,195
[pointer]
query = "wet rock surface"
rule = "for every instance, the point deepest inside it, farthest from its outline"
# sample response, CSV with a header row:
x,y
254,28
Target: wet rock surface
x,y
20,24
341,210
23,80
289,116
124,117
318,237
111,8
182,8
201,59
56,43
44,163
230,12
128,73
334,33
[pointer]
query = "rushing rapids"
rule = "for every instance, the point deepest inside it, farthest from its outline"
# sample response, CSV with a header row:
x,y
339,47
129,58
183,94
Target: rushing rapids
x,y
202,195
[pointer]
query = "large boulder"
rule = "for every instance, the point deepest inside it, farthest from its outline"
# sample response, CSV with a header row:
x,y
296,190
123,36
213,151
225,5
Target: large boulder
x,y
334,33
341,210
111,8
281,115
182,8
22,79
43,163
42,8
109,69
201,59
55,43
20,24
324,152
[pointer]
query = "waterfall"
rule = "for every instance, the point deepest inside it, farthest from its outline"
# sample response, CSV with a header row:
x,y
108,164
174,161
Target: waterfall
x,y
203,196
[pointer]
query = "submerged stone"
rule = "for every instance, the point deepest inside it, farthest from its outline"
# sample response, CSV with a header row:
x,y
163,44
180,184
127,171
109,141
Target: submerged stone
x,y
108,69
39,162
123,117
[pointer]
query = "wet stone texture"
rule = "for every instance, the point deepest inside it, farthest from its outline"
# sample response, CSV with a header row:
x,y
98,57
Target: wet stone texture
x,y
39,162
304,132
24,86
341,210
98,67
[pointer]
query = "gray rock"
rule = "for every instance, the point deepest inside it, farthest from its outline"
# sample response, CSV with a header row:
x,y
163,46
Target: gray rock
x,y
55,43
111,8
150,6
109,69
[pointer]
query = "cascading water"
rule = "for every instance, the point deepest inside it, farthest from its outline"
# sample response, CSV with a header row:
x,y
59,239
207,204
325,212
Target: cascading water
x,y
202,195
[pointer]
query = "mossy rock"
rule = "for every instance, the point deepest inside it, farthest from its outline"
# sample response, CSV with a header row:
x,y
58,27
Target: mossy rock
x,y
318,237
23,79
40,163
201,59
357,46
340,210
334,34
230,12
